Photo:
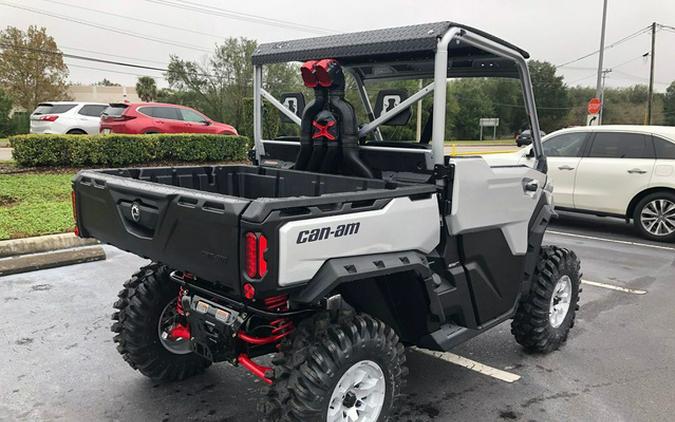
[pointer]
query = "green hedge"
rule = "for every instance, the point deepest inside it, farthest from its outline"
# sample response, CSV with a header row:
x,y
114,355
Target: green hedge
x,y
119,150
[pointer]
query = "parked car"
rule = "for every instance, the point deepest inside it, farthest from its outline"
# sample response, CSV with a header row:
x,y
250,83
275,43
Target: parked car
x,y
620,171
525,137
135,118
76,118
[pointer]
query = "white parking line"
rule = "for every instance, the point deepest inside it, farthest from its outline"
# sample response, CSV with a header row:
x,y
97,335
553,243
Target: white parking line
x,y
613,287
472,365
604,239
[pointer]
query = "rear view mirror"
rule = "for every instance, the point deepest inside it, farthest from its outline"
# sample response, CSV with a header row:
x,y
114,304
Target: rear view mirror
x,y
387,99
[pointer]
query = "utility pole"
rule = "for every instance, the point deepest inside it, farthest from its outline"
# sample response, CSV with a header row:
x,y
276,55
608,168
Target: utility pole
x,y
598,86
602,94
650,96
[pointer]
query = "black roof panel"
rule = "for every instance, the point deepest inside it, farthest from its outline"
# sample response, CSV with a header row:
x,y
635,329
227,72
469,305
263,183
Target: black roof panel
x,y
394,44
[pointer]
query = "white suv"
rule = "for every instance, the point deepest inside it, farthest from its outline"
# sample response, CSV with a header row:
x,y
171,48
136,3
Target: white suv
x,y
67,117
620,171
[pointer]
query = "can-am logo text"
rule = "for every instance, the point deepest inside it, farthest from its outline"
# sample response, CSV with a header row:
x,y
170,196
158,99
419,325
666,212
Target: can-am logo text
x,y
327,232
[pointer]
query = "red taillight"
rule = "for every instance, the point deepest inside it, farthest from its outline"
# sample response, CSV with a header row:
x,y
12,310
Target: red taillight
x,y
255,248
262,262
251,255
49,118
249,291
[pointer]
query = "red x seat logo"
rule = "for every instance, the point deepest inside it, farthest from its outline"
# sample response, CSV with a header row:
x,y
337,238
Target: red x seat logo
x,y
323,130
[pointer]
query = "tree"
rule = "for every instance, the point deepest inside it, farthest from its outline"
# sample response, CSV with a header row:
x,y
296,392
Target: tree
x,y
472,103
219,85
146,88
31,67
6,125
669,105
550,94
106,82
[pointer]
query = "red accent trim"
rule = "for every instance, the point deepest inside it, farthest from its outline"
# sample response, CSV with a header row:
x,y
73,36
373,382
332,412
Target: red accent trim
x,y
180,331
323,75
308,74
323,130
259,341
256,369
262,248
179,301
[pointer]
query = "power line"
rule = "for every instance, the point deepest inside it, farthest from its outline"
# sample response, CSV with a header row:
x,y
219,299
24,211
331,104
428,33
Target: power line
x,y
135,19
610,67
79,57
110,71
113,55
247,17
107,28
614,44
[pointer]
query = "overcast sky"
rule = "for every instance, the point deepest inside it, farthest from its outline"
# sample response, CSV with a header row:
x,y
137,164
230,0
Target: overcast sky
x,y
551,30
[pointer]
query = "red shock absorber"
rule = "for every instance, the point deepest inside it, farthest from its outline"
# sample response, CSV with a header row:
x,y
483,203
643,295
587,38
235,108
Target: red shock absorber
x,y
281,327
180,330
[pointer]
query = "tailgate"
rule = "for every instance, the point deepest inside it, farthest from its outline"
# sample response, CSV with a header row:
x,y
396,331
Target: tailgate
x,y
188,230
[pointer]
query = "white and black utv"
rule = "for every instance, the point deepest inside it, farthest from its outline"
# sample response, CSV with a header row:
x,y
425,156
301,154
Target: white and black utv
x,y
338,249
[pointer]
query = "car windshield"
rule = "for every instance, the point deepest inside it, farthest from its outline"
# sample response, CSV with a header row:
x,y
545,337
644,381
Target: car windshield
x,y
115,110
52,108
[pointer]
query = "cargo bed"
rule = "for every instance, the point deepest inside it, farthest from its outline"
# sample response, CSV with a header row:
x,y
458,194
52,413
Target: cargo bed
x,y
191,218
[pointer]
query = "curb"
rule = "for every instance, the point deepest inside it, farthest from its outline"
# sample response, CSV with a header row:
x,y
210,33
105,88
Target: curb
x,y
25,263
31,245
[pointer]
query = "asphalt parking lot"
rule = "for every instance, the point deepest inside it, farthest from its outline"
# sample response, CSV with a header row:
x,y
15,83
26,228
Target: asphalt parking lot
x,y
60,362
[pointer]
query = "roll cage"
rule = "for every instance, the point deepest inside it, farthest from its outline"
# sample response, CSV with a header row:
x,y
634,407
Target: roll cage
x,y
435,51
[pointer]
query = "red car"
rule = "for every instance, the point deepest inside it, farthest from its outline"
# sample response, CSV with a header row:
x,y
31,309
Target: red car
x,y
135,118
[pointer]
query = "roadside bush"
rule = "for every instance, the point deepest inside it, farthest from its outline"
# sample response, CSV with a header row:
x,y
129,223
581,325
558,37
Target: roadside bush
x,y
120,150
271,120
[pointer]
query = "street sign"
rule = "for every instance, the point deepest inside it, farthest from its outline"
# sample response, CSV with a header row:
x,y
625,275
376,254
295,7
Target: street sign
x,y
594,106
592,119
489,122
492,122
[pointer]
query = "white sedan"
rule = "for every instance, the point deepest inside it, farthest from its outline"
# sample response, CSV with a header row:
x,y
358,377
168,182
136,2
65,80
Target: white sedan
x,y
67,117
619,171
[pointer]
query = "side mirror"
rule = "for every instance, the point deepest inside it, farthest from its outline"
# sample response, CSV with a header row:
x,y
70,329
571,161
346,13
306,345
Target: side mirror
x,y
206,122
530,153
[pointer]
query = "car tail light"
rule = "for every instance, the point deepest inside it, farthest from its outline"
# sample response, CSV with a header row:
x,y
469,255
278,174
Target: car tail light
x,y
255,248
49,118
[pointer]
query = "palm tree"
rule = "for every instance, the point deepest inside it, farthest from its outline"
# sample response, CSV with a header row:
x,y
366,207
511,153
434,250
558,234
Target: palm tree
x,y
146,88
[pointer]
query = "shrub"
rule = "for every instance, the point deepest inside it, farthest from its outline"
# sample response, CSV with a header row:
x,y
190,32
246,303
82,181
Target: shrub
x,y
271,120
119,150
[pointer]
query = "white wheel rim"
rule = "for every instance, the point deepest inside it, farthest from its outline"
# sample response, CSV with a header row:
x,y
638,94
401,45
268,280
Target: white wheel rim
x,y
359,394
658,217
560,301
